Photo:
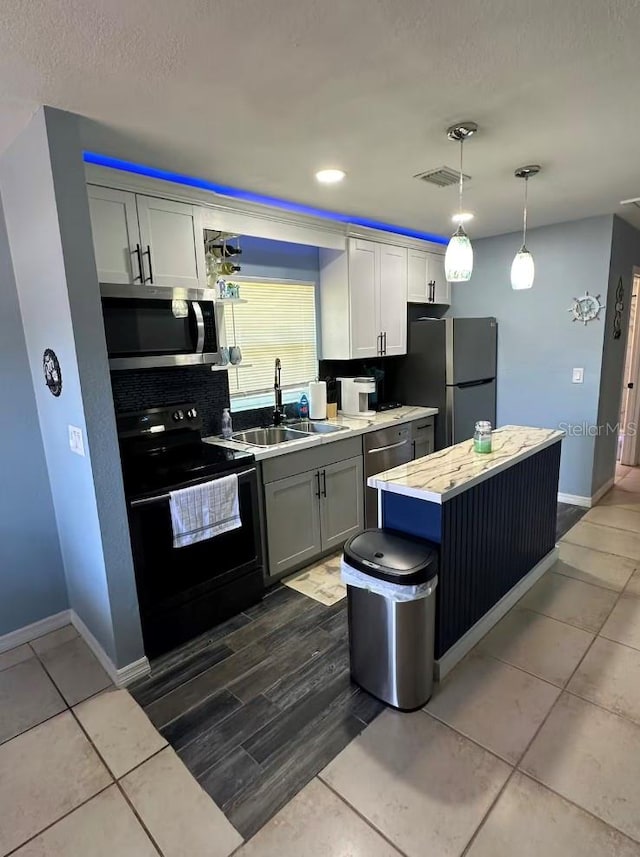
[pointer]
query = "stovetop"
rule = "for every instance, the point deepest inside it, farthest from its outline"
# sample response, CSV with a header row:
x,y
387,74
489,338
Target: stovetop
x,y
161,449
168,469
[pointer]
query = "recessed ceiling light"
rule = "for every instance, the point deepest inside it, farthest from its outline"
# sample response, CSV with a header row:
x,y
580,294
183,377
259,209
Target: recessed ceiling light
x,y
462,217
330,176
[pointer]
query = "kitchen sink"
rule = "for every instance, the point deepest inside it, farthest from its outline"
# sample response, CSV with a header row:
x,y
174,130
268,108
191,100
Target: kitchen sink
x,y
310,427
272,436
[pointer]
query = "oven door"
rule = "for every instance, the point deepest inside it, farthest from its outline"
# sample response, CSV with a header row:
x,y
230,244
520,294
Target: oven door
x,y
168,576
163,327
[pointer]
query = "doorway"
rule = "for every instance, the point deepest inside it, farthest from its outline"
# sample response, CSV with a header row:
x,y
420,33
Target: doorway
x,y
628,441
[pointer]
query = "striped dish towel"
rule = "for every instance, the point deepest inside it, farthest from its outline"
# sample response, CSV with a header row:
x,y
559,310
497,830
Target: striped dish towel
x,y
204,511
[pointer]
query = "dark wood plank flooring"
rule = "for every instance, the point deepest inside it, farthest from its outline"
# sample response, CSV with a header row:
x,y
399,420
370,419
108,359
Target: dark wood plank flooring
x,y
567,517
261,704
258,706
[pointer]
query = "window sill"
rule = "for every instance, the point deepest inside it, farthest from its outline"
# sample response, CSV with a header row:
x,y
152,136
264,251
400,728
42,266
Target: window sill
x,y
264,400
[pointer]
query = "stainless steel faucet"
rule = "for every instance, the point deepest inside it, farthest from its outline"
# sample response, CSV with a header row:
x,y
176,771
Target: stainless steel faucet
x,y
278,412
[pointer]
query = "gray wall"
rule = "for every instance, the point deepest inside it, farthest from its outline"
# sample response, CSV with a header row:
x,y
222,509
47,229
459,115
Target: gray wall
x,y
538,344
46,207
625,254
32,584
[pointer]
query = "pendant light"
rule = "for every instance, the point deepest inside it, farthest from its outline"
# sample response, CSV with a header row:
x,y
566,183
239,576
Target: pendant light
x,y
522,267
458,260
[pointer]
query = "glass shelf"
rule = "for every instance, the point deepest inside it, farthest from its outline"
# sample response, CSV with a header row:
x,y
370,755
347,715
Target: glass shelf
x,y
216,368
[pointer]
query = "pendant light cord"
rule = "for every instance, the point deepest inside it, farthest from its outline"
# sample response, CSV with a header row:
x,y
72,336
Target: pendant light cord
x,y
461,181
524,216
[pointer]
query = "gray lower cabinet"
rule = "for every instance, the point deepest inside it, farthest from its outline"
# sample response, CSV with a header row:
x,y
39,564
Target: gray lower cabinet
x,y
312,512
292,511
342,502
422,437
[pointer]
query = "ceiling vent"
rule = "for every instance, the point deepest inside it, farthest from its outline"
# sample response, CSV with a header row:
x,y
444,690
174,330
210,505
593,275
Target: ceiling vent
x,y
635,202
442,177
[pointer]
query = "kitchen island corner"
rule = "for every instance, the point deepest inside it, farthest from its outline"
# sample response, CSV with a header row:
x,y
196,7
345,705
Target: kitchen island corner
x,y
493,516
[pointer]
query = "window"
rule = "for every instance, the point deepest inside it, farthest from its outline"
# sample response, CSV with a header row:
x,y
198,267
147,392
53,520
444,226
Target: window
x,y
278,320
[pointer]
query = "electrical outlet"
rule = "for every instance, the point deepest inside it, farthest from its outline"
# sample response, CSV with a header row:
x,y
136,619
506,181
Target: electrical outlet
x,y
76,443
577,376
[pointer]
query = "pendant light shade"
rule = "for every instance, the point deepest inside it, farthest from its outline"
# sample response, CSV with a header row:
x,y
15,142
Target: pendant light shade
x,y
458,260
522,267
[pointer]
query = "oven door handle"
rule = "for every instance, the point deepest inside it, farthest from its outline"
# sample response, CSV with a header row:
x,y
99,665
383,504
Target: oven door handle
x,y
197,312
165,495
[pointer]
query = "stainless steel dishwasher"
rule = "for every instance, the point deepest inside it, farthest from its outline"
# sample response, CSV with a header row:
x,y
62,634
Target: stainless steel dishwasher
x,y
383,450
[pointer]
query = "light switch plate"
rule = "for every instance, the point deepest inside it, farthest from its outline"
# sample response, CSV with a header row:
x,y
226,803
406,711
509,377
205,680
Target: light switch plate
x,y
76,442
577,376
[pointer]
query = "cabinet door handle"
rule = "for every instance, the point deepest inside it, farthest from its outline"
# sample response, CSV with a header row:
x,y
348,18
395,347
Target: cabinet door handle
x,y
324,483
379,344
318,484
385,342
413,446
138,252
147,253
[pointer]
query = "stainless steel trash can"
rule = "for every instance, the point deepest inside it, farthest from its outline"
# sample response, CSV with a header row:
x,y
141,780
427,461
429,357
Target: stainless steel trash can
x,y
391,581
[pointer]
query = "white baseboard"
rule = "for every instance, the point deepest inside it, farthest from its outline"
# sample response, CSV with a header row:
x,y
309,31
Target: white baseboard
x,y
608,485
464,645
586,502
33,631
120,677
575,500
136,669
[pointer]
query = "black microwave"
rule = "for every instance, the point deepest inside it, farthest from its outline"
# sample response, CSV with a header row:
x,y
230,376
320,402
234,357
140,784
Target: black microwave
x,y
148,326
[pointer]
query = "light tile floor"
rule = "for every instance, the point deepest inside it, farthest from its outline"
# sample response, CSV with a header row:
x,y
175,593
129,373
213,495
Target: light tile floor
x,y
531,746
84,772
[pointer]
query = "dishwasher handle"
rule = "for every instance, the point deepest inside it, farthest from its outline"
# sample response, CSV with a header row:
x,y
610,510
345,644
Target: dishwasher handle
x,y
390,446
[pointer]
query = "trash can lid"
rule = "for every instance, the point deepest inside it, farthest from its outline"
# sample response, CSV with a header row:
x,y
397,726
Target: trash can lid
x,y
387,555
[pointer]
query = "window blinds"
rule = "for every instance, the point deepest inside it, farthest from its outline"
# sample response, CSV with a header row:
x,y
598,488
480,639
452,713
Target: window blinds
x,y
278,320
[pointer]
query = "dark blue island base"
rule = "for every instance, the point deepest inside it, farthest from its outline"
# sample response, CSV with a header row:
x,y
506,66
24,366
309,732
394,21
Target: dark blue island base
x,y
496,539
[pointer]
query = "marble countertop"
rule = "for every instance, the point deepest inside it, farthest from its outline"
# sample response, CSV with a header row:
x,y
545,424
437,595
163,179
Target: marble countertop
x,y
442,475
353,426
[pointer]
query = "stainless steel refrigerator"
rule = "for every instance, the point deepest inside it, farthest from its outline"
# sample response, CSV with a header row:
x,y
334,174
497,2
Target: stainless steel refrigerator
x,y
451,365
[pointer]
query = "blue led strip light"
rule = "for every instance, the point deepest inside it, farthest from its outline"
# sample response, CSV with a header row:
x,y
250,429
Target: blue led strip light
x,y
247,196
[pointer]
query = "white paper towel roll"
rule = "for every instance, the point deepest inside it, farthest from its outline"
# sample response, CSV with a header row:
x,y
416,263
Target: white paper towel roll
x,y
318,400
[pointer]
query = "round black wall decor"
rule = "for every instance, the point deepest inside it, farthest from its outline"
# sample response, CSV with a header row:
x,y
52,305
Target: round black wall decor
x,y
52,372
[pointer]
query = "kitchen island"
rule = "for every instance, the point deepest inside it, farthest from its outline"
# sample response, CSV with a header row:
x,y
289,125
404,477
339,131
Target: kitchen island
x,y
493,516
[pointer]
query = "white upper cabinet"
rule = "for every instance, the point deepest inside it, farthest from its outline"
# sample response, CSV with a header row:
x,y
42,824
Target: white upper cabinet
x,y
363,301
441,289
427,283
392,299
418,277
172,243
363,274
116,239
141,240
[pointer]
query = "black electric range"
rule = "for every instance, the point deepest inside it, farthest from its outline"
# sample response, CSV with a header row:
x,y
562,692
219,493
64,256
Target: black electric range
x,y
184,591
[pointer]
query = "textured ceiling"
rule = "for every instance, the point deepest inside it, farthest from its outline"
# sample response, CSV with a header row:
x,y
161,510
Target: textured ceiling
x,y
261,93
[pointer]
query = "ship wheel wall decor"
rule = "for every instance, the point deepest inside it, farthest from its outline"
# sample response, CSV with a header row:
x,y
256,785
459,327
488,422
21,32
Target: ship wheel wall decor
x,y
586,308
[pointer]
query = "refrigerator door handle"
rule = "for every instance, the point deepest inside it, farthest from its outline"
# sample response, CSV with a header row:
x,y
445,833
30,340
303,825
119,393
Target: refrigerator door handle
x,y
466,384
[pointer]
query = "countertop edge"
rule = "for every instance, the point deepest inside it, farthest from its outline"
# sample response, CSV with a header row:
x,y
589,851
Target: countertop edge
x,y
439,498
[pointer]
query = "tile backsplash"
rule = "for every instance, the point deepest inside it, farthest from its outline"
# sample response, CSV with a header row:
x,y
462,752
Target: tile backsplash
x,y
136,389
